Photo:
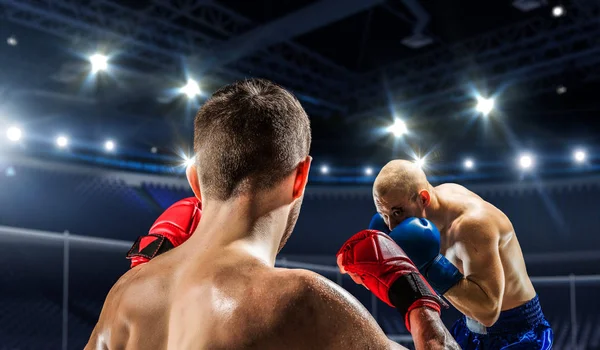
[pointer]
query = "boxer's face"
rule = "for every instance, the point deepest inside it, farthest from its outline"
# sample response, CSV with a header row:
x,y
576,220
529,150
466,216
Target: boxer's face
x,y
396,206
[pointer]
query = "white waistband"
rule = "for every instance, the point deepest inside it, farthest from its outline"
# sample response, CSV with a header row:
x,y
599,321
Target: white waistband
x,y
474,326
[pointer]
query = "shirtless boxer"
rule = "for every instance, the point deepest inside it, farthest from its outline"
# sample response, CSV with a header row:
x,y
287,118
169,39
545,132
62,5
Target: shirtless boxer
x,y
220,290
474,260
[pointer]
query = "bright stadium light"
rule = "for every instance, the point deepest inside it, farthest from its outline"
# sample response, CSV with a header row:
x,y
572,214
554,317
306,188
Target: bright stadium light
x,y
484,105
558,11
109,145
191,89
14,134
189,161
420,162
398,128
368,171
99,62
526,161
62,141
153,149
561,89
324,169
469,164
12,40
579,156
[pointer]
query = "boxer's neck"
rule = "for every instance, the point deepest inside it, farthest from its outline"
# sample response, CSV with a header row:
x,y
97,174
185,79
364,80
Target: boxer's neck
x,y
245,224
437,211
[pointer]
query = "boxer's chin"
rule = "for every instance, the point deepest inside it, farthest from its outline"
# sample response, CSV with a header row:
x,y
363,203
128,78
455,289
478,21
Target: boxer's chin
x,y
291,222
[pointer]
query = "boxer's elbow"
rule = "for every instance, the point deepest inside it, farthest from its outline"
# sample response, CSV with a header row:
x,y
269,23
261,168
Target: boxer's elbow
x,y
489,314
487,306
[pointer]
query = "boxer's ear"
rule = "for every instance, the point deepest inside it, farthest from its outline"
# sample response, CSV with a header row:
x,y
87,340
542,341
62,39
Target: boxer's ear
x,y
192,175
301,178
425,198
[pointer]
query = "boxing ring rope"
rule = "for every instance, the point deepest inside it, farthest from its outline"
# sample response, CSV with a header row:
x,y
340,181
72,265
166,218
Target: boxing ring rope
x,y
68,240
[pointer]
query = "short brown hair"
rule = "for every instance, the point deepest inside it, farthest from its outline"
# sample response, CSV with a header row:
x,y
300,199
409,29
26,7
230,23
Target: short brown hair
x,y
249,135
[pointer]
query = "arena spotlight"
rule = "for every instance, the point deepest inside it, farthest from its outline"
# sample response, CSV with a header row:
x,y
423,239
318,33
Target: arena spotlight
x,y
526,161
153,149
62,141
420,162
368,171
12,40
561,89
14,134
579,156
484,105
189,161
191,89
109,145
324,169
398,128
558,11
99,62
469,164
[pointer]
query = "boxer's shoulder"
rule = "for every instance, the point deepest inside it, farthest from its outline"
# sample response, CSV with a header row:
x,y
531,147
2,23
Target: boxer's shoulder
x,y
322,313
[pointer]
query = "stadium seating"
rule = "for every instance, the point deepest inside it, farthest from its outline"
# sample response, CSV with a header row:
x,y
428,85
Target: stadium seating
x,y
554,219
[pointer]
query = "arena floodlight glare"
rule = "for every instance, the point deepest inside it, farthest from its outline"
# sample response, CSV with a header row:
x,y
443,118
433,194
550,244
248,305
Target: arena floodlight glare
x,y
526,161
398,128
485,105
62,141
469,164
558,11
324,169
579,156
191,89
14,134
109,145
189,161
12,40
99,62
368,171
420,162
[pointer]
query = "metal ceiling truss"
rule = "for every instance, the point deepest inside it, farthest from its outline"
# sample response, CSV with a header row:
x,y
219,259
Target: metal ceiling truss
x,y
151,37
517,53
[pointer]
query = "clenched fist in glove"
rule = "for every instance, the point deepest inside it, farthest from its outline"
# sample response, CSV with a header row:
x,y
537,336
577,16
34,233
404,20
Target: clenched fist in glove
x,y
171,229
374,260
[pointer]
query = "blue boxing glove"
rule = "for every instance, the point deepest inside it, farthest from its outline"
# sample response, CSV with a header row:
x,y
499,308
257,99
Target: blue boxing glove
x,y
420,239
377,223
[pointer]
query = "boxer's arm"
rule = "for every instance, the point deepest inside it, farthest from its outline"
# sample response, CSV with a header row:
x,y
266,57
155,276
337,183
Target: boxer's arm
x,y
479,294
331,318
98,338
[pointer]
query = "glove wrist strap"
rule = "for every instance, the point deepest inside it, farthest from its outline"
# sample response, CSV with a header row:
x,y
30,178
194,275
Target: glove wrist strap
x,y
442,274
149,246
410,288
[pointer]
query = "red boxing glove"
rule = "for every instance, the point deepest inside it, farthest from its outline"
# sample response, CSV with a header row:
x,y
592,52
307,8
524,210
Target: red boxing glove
x,y
171,229
374,260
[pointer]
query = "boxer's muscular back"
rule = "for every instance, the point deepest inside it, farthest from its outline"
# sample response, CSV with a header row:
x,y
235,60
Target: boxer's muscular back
x,y
518,288
230,301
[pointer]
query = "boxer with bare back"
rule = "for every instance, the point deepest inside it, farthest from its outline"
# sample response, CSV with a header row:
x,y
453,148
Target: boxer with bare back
x,y
220,289
468,251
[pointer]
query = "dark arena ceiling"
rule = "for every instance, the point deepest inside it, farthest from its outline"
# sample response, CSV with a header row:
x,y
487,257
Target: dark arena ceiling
x,y
356,65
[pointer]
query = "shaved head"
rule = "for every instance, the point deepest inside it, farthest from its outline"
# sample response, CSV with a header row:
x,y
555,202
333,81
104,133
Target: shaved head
x,y
401,176
401,190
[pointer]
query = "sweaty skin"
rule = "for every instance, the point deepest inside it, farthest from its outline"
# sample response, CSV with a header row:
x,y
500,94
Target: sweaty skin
x,y
220,290
476,237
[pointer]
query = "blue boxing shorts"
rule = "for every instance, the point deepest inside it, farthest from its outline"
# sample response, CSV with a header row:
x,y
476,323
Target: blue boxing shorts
x,y
523,327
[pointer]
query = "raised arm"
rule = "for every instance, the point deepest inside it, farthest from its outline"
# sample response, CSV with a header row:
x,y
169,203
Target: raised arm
x,y
372,259
479,294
